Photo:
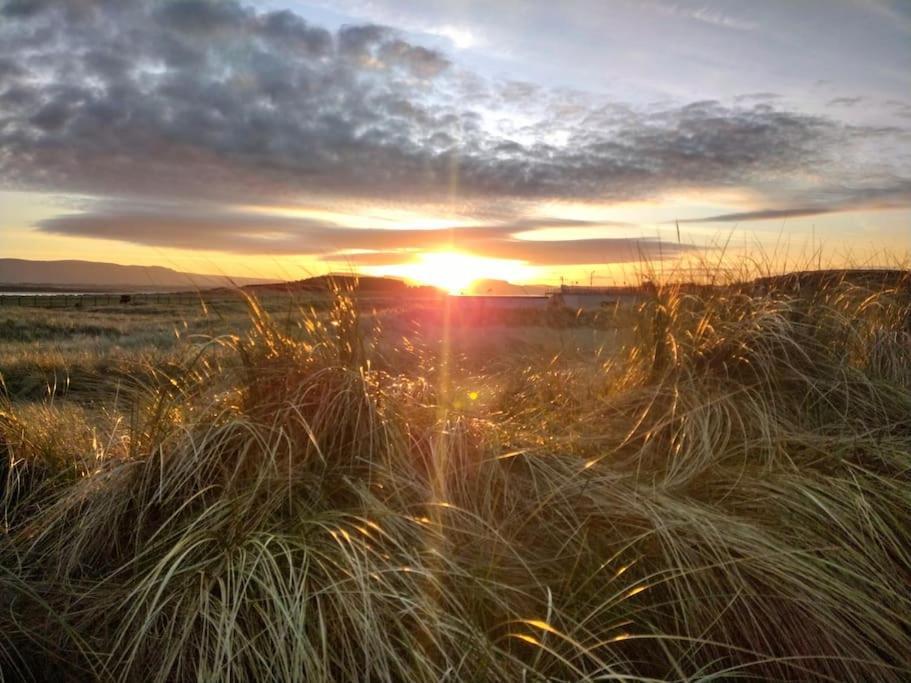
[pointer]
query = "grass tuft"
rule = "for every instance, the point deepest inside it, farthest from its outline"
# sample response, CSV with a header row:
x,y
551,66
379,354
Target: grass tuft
x,y
311,498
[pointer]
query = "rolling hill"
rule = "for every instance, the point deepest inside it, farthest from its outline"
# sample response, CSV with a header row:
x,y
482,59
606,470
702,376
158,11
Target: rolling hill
x,y
91,275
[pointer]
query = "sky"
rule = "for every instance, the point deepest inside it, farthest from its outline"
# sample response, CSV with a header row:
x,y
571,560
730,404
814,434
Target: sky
x,y
447,139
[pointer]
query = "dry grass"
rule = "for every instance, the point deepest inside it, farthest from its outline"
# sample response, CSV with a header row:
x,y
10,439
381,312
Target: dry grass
x,y
726,496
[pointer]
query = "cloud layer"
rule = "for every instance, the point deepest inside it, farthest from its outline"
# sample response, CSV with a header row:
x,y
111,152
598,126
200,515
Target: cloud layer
x,y
192,228
218,101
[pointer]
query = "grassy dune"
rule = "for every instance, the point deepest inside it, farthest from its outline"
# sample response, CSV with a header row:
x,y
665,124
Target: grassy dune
x,y
719,489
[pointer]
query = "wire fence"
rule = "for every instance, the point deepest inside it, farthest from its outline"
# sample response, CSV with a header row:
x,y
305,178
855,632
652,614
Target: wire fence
x,y
93,300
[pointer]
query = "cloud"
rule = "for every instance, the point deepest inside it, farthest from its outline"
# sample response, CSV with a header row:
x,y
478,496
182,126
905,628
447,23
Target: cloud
x,y
600,250
194,227
706,15
23,8
902,109
205,228
542,253
845,101
9,69
761,215
216,100
375,46
417,60
202,18
718,18
834,200
758,96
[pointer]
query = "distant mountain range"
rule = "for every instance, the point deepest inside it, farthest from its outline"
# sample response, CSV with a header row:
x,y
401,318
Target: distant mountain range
x,y
91,275
27,275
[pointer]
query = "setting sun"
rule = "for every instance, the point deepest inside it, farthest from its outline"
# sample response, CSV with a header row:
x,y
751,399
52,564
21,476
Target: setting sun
x,y
455,271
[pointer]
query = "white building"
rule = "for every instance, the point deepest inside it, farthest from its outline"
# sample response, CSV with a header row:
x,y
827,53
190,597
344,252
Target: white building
x,y
594,298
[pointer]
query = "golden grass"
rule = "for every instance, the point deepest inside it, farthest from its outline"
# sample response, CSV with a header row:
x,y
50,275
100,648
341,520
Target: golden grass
x,y
726,496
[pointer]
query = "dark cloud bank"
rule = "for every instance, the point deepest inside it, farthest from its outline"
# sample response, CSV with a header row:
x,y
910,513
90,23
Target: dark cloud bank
x,y
241,232
214,101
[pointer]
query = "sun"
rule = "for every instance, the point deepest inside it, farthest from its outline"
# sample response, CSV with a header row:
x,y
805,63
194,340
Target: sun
x,y
455,271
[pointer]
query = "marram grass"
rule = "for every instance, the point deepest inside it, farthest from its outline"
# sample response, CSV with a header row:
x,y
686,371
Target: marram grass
x,y
727,497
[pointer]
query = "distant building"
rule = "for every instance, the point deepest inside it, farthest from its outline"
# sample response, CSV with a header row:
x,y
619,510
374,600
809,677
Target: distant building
x,y
594,298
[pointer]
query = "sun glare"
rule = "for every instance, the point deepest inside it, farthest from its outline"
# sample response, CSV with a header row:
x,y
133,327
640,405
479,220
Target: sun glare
x,y
455,271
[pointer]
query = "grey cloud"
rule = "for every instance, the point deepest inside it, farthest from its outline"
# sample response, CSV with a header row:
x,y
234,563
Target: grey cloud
x,y
378,46
757,96
845,101
519,90
108,64
51,117
201,16
217,100
902,109
206,227
359,41
289,29
766,214
195,228
9,69
420,61
283,28
24,8
833,200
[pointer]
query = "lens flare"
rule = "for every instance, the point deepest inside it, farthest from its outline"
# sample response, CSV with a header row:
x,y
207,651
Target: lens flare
x,y
455,271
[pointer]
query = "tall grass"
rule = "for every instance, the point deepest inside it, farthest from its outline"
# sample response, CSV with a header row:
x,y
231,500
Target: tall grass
x,y
726,497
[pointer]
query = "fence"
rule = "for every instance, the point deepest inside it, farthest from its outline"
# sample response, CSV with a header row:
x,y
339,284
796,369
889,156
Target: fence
x,y
96,299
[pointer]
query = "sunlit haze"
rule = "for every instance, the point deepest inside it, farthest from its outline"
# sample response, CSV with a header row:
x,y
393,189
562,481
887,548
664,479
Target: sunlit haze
x,y
445,141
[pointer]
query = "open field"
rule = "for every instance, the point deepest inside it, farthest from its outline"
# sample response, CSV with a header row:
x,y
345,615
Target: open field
x,y
710,486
